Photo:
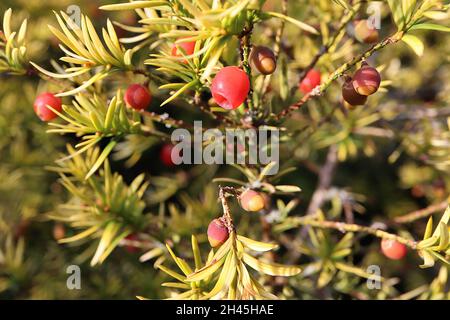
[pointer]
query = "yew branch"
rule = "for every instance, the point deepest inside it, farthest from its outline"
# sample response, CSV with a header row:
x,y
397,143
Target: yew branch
x,y
348,227
320,90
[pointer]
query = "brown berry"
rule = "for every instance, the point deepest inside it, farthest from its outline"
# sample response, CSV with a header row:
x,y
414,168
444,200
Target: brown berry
x,y
263,59
366,80
350,96
365,32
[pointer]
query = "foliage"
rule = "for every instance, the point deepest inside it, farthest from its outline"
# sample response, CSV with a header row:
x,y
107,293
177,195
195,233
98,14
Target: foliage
x,y
376,164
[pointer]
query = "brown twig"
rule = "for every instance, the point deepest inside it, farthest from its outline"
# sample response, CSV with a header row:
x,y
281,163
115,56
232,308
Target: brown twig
x,y
164,119
422,213
348,16
244,49
349,227
326,174
226,217
204,107
276,47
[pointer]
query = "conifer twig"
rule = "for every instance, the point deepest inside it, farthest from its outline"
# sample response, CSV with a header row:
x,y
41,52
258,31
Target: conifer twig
x,y
227,218
348,227
319,90
244,49
276,47
422,213
326,47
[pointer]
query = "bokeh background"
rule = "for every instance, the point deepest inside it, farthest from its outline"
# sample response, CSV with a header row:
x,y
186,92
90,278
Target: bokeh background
x,y
28,191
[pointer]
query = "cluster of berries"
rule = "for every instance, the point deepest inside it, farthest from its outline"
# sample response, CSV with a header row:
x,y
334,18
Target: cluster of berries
x,y
364,83
231,85
249,200
230,88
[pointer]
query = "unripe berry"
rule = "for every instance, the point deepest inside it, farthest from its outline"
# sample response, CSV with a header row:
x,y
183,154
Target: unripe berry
x,y
393,249
349,94
217,233
252,201
40,106
366,80
365,32
138,97
166,155
230,87
311,81
183,48
263,59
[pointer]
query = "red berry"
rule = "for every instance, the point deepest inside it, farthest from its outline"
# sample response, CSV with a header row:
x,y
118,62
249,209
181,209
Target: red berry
x,y
166,156
138,97
240,148
349,94
364,32
186,48
230,87
311,81
263,59
129,247
366,80
217,233
59,231
40,106
253,201
393,249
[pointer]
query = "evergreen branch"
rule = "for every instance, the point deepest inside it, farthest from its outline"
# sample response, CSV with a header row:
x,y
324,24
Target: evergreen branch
x,y
276,47
422,213
326,174
244,49
342,227
320,90
348,17
226,209
13,50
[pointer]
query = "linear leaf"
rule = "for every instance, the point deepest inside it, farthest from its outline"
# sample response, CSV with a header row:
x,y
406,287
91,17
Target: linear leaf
x,y
133,5
430,26
257,245
414,43
101,158
273,269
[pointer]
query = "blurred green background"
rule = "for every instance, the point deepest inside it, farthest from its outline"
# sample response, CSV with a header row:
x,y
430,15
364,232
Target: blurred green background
x,y
28,191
